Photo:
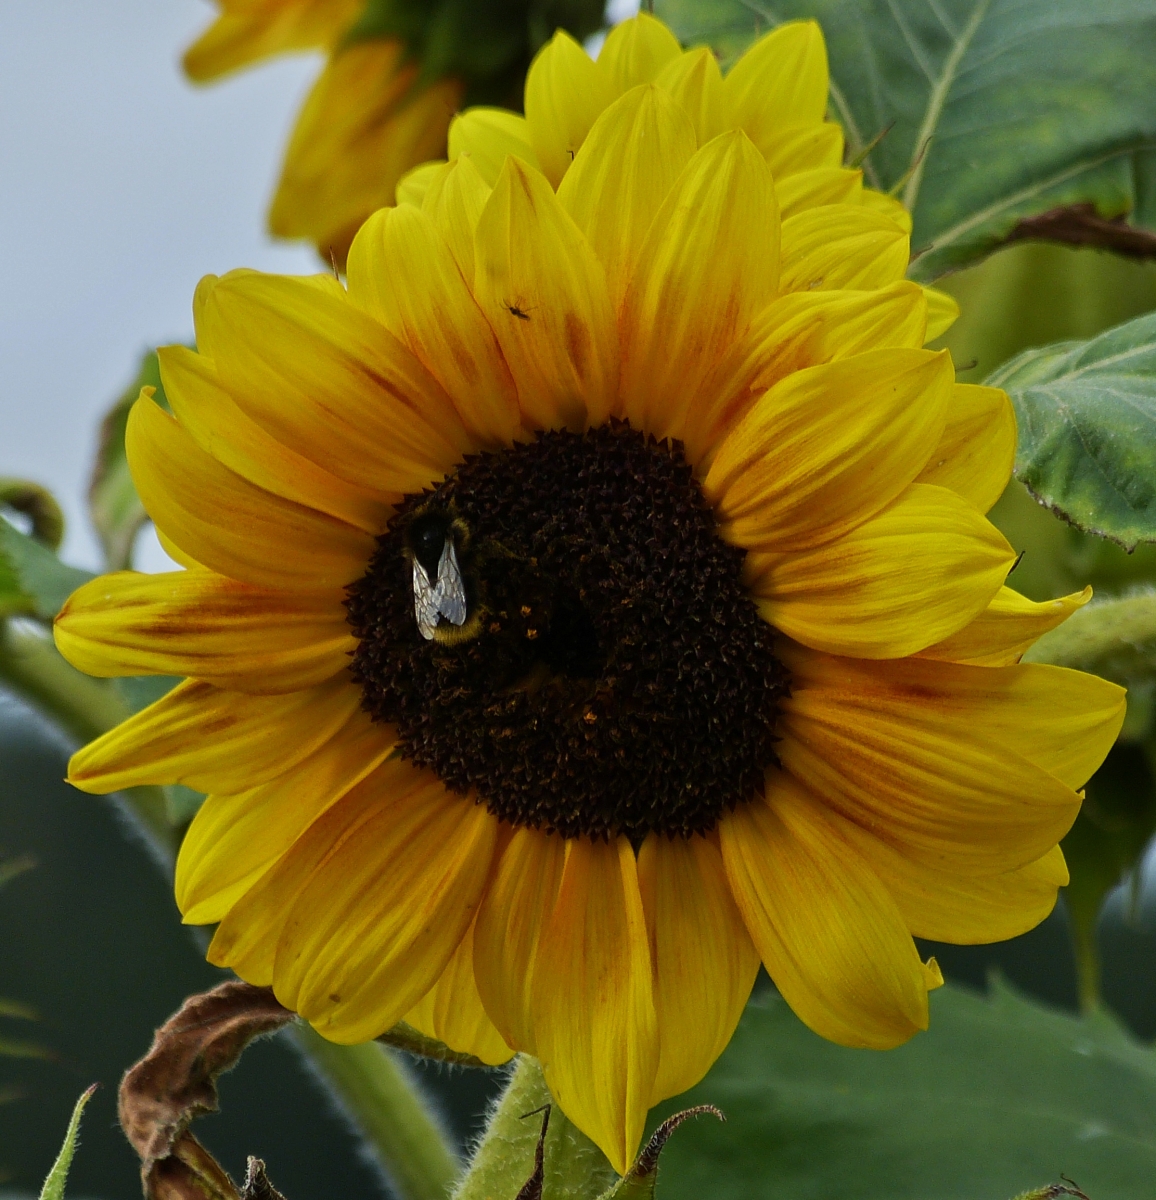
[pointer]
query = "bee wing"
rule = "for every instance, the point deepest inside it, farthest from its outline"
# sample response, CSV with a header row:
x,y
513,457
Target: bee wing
x,y
450,592
425,601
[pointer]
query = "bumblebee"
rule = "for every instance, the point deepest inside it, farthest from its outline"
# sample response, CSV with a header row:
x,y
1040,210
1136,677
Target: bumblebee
x,y
434,538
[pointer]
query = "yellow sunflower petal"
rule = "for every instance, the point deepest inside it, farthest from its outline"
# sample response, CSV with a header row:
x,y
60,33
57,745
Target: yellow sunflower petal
x,y
452,1011
228,524
796,331
245,34
1001,633
887,206
953,765
595,1028
327,380
455,199
630,161
635,51
544,293
829,934
514,911
781,80
828,448
819,186
235,839
402,272
841,246
694,82
214,740
978,449
942,312
379,919
367,120
488,136
709,263
233,635
414,186
248,938
564,95
804,146
964,910
704,961
208,414
904,580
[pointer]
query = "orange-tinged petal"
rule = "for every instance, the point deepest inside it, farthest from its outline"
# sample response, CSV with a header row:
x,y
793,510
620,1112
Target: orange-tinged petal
x,y
635,51
379,916
796,331
709,263
451,1011
965,910
958,767
829,934
781,80
544,293
1001,633
564,95
229,524
595,1028
909,577
704,961
694,82
402,271
235,839
233,635
455,199
488,136
828,448
248,937
514,911
632,158
818,186
214,740
327,380
212,419
976,454
841,246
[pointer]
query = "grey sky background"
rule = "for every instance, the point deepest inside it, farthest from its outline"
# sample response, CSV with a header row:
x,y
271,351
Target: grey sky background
x,y
120,186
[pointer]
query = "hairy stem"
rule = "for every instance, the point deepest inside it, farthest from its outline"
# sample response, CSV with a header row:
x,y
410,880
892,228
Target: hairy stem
x,y
374,1089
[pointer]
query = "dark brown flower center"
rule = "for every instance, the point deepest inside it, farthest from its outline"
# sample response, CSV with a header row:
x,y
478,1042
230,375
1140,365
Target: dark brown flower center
x,y
608,672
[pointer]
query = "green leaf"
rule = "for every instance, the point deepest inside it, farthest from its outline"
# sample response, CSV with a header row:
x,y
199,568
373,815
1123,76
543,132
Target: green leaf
x,y
33,581
1087,429
1113,638
999,112
999,1096
113,503
39,505
54,1185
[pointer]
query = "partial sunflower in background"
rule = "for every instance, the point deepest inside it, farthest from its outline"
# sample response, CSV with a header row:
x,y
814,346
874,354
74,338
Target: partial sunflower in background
x,y
594,599
395,73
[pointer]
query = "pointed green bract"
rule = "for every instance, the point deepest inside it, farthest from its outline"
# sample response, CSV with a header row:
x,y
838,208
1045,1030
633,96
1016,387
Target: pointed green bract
x,y
53,1188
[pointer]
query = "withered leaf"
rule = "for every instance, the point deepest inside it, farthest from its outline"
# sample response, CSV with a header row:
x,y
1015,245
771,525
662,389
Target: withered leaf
x,y
176,1081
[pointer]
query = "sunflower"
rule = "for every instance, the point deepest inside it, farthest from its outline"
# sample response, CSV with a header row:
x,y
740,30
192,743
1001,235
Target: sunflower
x,y
593,599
